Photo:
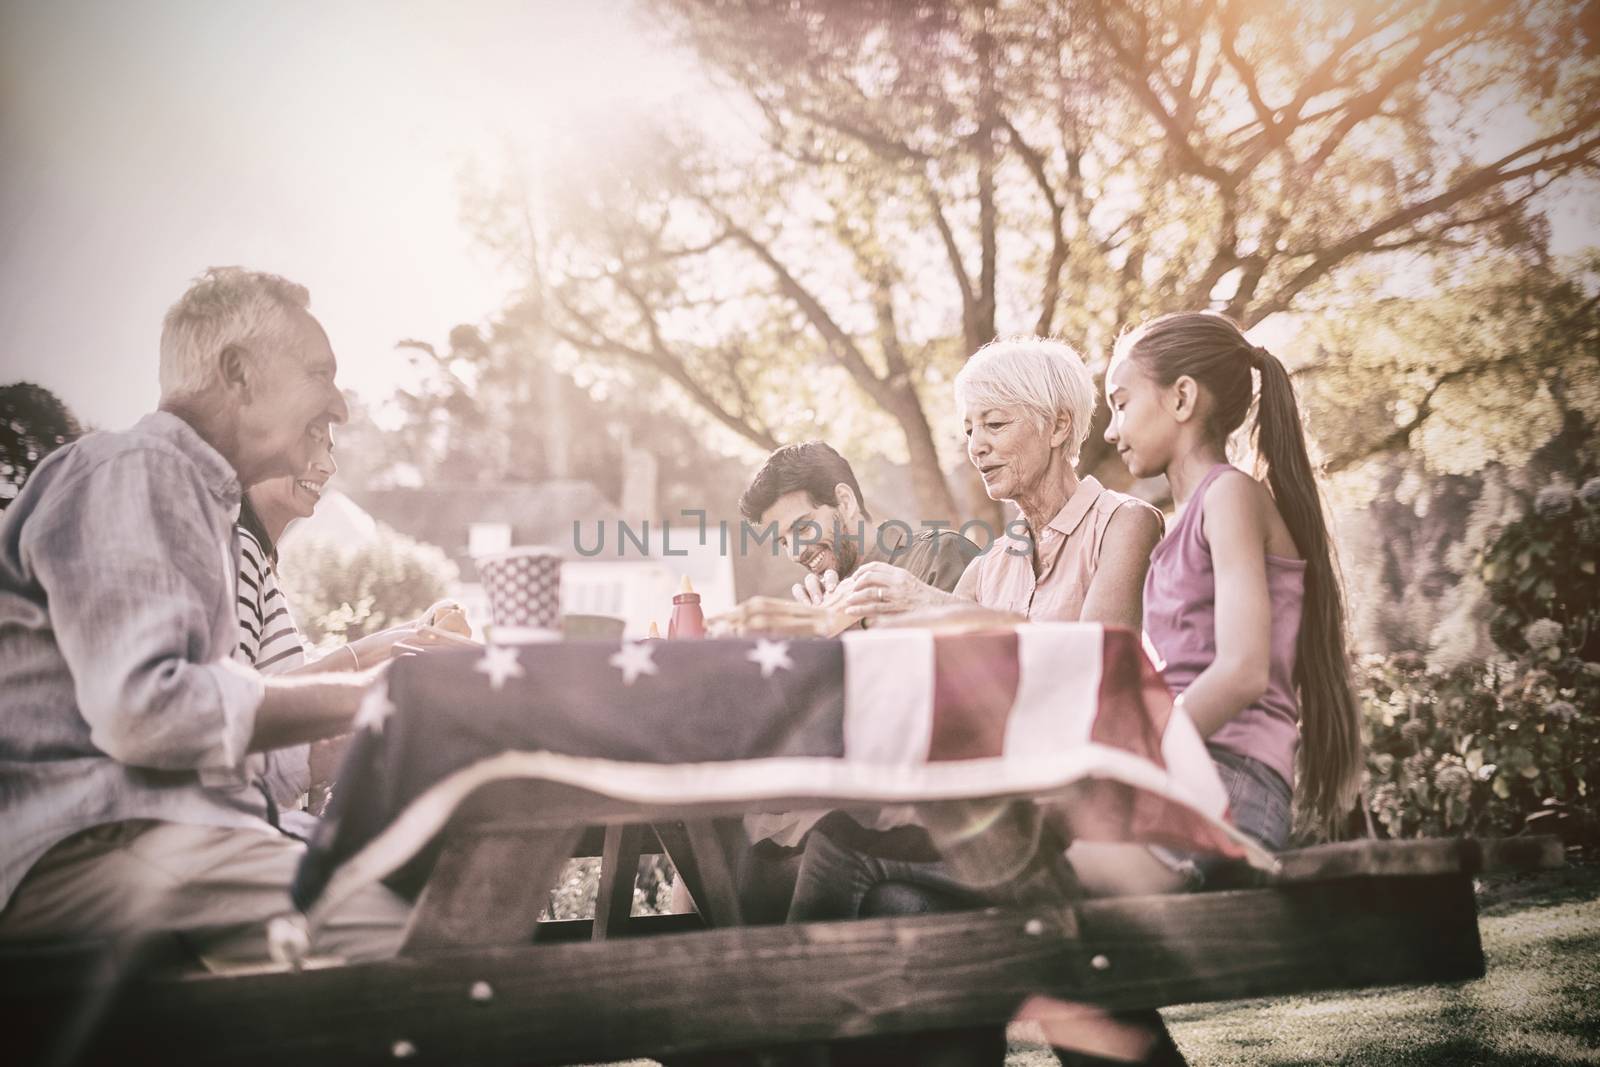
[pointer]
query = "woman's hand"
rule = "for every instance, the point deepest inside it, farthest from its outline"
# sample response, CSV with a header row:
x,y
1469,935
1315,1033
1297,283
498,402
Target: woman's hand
x,y
879,589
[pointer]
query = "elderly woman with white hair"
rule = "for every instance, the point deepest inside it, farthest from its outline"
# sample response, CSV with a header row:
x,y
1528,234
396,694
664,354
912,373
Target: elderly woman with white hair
x,y
1082,550
1081,554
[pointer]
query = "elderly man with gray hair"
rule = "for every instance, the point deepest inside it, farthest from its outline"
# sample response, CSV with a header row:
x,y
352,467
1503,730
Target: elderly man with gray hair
x,y
126,747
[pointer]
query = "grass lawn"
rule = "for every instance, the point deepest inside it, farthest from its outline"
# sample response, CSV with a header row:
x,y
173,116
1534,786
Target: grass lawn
x,y
1538,1004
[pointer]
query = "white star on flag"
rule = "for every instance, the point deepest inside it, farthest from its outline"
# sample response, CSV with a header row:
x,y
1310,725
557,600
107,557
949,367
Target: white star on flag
x,y
499,662
633,659
772,655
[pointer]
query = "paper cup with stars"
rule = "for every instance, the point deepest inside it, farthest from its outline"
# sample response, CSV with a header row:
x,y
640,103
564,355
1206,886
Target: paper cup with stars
x,y
524,590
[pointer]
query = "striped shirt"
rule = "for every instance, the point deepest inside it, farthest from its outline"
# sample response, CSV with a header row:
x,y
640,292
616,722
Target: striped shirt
x,y
269,640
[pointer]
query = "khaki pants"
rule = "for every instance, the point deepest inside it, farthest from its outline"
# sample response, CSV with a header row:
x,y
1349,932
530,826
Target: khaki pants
x,y
216,888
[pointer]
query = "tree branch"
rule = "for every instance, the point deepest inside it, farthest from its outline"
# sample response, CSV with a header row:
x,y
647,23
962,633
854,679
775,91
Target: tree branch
x,y
1058,238
1228,40
1226,256
841,346
1480,180
663,362
1132,71
988,221
969,303
894,356
1365,105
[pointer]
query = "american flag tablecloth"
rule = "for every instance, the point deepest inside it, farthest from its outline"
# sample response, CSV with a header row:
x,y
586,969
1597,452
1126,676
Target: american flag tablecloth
x,y
878,717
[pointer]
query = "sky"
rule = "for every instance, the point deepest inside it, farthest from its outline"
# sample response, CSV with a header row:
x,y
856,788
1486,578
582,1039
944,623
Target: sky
x,y
142,142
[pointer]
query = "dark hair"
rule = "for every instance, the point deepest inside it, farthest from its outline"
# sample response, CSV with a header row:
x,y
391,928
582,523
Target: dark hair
x,y
1211,349
812,466
252,524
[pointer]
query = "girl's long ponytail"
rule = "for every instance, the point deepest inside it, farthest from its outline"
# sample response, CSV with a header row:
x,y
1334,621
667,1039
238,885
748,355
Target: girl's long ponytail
x,y
1330,719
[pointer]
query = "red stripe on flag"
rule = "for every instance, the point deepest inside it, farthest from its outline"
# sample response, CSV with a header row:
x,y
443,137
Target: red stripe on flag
x,y
974,687
1134,704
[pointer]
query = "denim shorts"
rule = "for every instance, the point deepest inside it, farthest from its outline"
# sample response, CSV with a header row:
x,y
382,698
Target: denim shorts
x,y
1258,797
1261,804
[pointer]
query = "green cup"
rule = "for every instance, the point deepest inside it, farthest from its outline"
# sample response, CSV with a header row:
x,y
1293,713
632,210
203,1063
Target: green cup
x,y
592,627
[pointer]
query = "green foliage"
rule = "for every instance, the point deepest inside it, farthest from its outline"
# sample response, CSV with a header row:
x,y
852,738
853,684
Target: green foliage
x,y
341,593
574,895
1541,577
1480,749
33,423
1483,748
1489,367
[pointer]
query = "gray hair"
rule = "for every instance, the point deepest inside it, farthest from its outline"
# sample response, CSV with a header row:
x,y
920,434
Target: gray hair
x,y
225,306
1044,377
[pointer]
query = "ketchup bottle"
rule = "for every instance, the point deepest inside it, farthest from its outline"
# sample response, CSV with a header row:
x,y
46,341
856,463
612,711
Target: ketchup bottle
x,y
655,632
687,621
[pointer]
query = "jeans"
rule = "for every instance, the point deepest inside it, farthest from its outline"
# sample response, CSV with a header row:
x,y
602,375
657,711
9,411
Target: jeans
x,y
1261,804
834,879
1258,797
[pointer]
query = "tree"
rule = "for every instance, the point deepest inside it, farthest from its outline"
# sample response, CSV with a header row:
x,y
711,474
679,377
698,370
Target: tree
x,y
1493,368
907,181
491,408
1445,416
33,423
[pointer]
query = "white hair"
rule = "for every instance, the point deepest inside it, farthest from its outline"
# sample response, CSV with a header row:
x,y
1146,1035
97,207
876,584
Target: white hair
x,y
225,306
1044,377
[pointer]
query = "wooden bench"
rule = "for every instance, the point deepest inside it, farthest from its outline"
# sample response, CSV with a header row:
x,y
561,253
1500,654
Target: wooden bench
x,y
480,981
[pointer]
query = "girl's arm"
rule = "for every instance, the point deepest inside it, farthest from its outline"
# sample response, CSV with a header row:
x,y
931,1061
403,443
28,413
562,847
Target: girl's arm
x,y
1116,592
1236,526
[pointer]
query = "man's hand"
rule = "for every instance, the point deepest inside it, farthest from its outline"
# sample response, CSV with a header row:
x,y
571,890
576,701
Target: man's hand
x,y
305,708
815,590
446,615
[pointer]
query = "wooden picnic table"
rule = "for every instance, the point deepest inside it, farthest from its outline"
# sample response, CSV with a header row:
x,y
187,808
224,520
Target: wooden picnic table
x,y
482,981
472,989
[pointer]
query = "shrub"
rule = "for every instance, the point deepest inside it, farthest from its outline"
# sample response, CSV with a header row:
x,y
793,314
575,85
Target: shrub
x,y
1540,574
341,593
1481,748
574,895
33,423
1484,748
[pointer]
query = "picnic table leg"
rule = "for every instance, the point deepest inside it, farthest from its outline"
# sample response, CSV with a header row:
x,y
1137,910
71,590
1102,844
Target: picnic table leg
x,y
701,850
467,901
619,869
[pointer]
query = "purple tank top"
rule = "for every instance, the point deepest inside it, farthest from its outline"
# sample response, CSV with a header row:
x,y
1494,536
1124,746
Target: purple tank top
x,y
1180,593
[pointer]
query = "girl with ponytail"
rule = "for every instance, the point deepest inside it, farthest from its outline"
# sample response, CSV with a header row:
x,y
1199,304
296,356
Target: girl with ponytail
x,y
1242,600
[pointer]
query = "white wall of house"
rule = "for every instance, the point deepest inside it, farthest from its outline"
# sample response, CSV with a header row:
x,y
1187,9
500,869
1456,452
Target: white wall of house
x,y
634,586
